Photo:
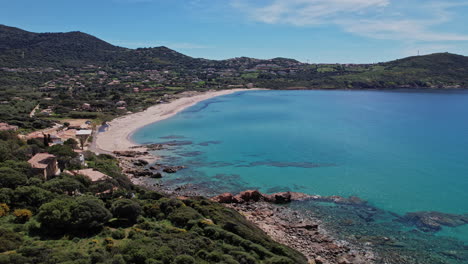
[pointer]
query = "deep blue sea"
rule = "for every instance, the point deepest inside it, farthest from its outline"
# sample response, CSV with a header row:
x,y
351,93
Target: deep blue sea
x,y
401,151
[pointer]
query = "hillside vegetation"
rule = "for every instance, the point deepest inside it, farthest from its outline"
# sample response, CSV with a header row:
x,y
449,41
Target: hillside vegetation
x,y
69,219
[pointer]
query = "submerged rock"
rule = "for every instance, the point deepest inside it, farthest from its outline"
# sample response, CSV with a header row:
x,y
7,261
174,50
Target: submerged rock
x,y
285,197
353,200
140,162
173,169
433,221
156,175
140,173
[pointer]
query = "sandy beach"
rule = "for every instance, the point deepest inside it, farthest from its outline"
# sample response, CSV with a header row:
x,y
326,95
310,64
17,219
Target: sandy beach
x,y
117,136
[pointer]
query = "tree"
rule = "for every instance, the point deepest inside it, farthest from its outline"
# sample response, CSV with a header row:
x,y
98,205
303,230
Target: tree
x,y
63,153
31,197
6,195
45,140
9,240
56,216
22,167
71,142
84,214
66,184
126,208
10,178
89,213
184,259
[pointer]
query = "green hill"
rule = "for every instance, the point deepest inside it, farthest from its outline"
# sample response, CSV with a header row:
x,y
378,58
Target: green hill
x,y
440,70
20,48
68,52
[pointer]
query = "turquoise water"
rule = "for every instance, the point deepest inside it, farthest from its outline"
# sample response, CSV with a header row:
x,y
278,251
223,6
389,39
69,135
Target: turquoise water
x,y
401,151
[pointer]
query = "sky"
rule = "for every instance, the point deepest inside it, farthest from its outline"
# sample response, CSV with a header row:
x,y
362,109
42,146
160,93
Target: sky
x,y
315,31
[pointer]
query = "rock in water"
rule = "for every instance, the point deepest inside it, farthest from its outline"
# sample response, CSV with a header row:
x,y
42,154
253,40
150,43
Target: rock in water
x,y
433,221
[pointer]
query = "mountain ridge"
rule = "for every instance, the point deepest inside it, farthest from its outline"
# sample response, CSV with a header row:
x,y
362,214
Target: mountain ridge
x,y
23,49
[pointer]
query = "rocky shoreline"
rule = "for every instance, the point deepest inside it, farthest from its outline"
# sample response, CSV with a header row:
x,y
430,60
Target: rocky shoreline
x,y
282,224
308,233
289,227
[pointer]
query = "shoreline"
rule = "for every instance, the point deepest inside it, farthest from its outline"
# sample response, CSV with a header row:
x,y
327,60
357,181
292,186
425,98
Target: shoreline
x,y
118,135
303,232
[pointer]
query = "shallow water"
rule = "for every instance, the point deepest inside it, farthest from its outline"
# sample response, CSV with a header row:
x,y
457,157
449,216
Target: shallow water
x,y
401,151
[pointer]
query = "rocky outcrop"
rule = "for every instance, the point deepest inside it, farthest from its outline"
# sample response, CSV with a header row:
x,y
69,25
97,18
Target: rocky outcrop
x,y
433,221
130,153
352,200
302,233
140,173
172,169
284,197
156,175
153,147
140,162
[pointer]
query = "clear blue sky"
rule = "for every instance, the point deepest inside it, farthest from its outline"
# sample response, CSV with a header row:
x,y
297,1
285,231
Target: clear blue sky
x,y
308,30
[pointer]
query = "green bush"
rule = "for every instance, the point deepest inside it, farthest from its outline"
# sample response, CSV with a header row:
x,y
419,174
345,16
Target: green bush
x,y
182,215
84,214
184,259
31,197
118,234
10,178
9,240
126,208
6,195
279,260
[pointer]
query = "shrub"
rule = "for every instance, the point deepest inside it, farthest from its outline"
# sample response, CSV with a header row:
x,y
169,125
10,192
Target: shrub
x,y
85,214
108,243
4,209
167,205
152,210
243,257
64,184
5,195
31,196
184,259
279,260
9,240
10,178
181,216
22,215
56,215
126,208
89,214
118,234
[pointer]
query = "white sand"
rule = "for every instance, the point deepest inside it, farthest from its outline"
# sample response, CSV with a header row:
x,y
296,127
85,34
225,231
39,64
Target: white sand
x,y
117,137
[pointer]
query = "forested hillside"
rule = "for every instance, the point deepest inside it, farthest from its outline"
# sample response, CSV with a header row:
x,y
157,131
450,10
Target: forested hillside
x,y
71,219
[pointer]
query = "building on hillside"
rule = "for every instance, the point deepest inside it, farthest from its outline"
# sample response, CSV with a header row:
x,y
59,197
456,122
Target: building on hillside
x,y
45,164
81,156
56,140
86,106
121,103
83,136
7,127
93,175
